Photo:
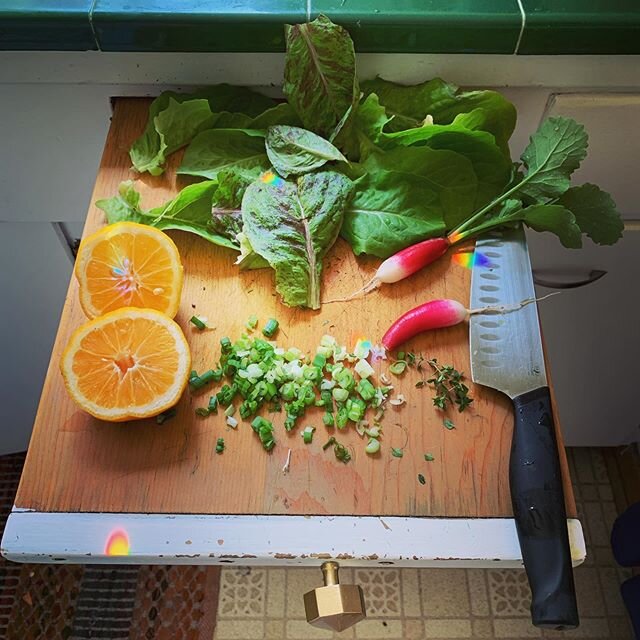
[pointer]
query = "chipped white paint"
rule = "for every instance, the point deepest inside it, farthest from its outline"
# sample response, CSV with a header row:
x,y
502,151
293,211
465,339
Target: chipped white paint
x,y
270,540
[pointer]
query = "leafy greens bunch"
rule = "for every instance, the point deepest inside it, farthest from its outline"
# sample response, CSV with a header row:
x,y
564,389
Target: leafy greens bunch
x,y
406,163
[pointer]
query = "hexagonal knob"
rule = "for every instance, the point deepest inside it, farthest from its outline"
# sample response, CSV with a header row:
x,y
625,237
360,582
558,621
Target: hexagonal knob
x,y
335,606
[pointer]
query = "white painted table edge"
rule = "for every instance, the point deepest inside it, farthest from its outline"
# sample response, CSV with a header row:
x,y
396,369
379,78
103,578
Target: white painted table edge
x,y
88,538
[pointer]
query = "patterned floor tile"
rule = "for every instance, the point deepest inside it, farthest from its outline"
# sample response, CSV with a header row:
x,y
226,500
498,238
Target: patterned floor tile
x,y
509,592
243,593
381,589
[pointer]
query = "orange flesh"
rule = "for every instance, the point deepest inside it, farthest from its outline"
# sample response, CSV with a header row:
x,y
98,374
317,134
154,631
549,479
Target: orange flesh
x,y
126,363
130,270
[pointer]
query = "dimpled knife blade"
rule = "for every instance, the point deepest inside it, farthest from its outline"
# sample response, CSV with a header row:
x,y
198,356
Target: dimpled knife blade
x,y
506,348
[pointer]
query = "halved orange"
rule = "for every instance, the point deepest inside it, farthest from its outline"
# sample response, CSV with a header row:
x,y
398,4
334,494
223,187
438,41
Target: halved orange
x,y
129,363
127,264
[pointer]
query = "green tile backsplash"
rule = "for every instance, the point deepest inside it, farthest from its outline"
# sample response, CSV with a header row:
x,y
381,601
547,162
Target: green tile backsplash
x,y
427,26
384,26
581,26
46,24
213,25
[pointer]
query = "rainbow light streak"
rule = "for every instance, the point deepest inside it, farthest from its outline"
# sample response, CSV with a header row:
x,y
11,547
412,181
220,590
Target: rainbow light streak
x,y
363,344
470,259
272,178
117,543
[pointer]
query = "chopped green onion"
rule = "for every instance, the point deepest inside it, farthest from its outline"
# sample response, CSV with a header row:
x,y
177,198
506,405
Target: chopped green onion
x,y
252,322
364,369
340,395
328,419
229,411
342,418
220,445
225,343
374,432
398,367
197,322
372,447
421,479
366,390
270,328
429,457
213,404
232,422
400,355
202,380
217,375
319,360
307,434
203,412
397,453
161,418
264,429
448,424
411,358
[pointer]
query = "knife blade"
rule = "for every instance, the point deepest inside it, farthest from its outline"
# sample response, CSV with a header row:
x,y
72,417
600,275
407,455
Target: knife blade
x,y
507,355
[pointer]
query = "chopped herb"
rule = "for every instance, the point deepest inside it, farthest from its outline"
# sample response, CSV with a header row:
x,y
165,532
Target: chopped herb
x,y
197,322
448,386
401,355
429,457
421,479
270,328
328,419
225,343
420,384
411,358
161,418
340,451
448,424
203,412
397,453
307,434
232,422
220,445
398,367
229,411
252,322
213,404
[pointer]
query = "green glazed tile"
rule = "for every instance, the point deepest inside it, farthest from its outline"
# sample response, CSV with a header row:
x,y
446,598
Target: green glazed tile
x,y
216,25
427,26
46,25
581,26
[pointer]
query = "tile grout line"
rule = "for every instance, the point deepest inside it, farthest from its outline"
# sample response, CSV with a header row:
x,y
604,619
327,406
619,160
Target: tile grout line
x,y
93,31
523,22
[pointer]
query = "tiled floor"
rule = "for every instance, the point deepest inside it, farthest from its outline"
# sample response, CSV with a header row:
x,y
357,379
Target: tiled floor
x,y
411,604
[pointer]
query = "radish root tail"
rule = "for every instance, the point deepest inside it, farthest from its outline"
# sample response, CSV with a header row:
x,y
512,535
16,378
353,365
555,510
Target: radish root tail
x,y
507,308
373,284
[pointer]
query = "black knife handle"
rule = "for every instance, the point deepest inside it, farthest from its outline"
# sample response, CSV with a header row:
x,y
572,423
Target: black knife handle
x,y
538,507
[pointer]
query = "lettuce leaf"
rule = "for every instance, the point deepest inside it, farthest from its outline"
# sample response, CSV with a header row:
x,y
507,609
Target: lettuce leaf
x,y
410,106
215,150
390,211
447,173
320,80
293,151
292,225
174,119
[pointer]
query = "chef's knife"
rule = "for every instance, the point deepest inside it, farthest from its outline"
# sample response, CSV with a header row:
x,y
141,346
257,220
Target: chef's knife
x,y
506,354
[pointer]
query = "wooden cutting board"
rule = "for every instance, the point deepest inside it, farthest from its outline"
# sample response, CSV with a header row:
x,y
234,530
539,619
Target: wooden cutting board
x,y
77,463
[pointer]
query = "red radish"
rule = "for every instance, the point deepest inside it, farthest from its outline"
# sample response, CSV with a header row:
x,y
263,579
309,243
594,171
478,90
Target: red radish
x,y
438,314
430,315
403,264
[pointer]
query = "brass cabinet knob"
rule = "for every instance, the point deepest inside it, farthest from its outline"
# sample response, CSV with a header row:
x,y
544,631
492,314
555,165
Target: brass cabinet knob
x,y
335,606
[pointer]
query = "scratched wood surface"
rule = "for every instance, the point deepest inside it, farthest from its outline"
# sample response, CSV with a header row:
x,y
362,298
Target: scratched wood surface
x,y
77,463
